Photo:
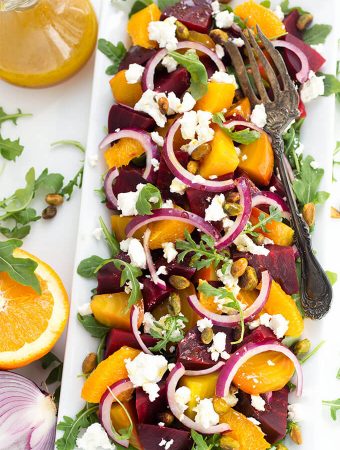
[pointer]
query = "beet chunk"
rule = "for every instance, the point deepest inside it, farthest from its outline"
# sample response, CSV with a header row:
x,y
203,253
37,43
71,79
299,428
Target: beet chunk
x,y
117,338
122,116
193,354
274,419
136,55
127,181
151,435
165,175
108,276
147,412
174,268
198,201
177,81
152,294
280,262
290,24
194,14
260,334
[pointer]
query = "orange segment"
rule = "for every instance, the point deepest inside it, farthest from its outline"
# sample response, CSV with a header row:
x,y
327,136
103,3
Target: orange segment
x,y
119,224
241,108
167,231
107,372
255,14
121,153
120,421
278,232
208,302
30,323
248,435
138,26
256,376
218,97
124,92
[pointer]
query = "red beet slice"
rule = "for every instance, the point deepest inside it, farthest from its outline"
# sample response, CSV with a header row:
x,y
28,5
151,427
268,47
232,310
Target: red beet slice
x,y
122,116
260,334
165,176
127,181
281,264
290,24
194,14
152,294
274,419
292,61
117,338
277,183
175,268
177,81
136,55
151,436
198,201
147,412
108,276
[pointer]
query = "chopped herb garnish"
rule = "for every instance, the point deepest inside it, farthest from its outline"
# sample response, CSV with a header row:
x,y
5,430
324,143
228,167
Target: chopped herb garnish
x,y
114,52
70,142
334,406
76,181
169,330
205,442
149,198
263,220
312,353
162,4
246,136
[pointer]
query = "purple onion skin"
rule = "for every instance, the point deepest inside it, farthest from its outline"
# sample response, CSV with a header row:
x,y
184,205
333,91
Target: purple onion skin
x,y
127,181
177,81
290,24
136,55
147,412
151,435
117,338
194,14
122,116
152,294
274,419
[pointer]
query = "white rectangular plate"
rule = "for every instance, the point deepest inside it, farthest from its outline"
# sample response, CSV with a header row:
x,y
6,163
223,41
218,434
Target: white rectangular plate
x,y
318,139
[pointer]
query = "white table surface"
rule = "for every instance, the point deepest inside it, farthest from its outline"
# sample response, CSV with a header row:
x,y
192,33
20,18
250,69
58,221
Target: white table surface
x,y
61,112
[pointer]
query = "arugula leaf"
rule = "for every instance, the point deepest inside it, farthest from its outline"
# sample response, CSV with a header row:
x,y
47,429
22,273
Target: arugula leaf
x,y
19,269
246,136
306,184
139,5
15,232
331,83
171,329
70,142
266,3
91,325
286,9
264,219
114,52
110,238
338,375
48,360
50,182
23,196
77,181
25,216
87,267
162,4
334,406
332,277
71,427
12,117
10,150
292,143
198,73
312,353
205,442
316,34
149,198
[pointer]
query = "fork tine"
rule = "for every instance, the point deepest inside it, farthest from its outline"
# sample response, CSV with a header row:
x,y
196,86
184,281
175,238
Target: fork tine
x,y
268,68
255,71
241,72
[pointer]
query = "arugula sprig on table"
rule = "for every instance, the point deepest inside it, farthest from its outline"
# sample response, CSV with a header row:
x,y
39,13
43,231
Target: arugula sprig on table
x,y
11,149
246,136
334,406
51,361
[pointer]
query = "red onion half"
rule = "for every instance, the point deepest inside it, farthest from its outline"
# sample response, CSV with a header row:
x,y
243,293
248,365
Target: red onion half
x,y
193,181
110,396
246,352
171,214
243,188
27,415
151,149
301,76
149,72
271,199
172,381
111,175
154,277
134,315
234,319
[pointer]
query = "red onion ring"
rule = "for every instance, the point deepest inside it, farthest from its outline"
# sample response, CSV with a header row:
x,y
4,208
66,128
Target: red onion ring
x,y
242,123
27,415
105,408
234,319
246,352
182,174
271,199
212,369
151,149
155,278
244,190
171,214
149,72
302,75
175,375
134,314
111,175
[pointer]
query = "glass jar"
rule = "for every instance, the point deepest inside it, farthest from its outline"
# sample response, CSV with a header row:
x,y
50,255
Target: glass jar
x,y
43,42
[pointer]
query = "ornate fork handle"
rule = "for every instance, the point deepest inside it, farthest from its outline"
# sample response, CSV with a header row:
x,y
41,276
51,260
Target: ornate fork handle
x,y
316,291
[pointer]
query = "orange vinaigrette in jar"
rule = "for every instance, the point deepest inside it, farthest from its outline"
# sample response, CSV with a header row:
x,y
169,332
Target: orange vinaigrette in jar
x,y
43,42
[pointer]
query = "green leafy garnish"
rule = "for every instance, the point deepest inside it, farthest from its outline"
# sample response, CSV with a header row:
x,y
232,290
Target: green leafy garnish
x,y
316,34
70,142
87,268
9,149
334,406
204,253
312,353
332,277
230,301
331,83
241,137
266,3
205,442
20,270
91,325
264,219
338,375
55,375
71,427
12,117
286,9
21,197
162,4
335,161
110,239
49,182
198,73
171,329
114,52
149,198
76,181
139,5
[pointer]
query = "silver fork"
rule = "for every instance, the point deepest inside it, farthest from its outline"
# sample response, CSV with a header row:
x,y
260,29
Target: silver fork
x,y
316,291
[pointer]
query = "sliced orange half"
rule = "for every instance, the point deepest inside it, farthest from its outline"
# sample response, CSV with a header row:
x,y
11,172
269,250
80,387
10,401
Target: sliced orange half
x,y
30,323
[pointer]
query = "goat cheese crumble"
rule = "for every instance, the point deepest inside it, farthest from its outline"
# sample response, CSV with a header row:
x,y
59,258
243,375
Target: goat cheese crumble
x,y
219,50
254,421
169,251
276,322
224,77
135,250
126,201
148,103
166,444
258,402
296,412
164,32
217,349
134,73
94,438
159,140
279,13
169,63
202,324
238,42
245,244
215,211
312,88
195,125
182,398
97,233
206,416
85,309
259,116
177,186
